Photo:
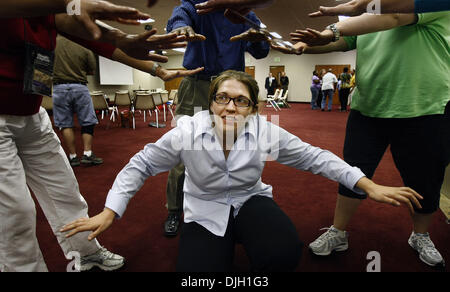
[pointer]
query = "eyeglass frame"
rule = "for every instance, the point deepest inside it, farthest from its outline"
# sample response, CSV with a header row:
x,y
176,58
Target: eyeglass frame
x,y
251,103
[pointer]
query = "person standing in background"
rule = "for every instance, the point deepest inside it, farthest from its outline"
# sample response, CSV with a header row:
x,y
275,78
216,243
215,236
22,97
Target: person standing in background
x,y
71,96
284,82
271,84
344,90
315,90
329,82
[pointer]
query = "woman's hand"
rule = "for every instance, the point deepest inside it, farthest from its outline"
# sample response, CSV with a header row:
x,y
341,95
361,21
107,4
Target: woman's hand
x,y
167,75
189,33
394,196
251,35
297,49
138,46
312,37
97,224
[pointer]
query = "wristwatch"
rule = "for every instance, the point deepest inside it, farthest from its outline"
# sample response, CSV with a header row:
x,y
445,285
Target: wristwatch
x,y
154,68
335,31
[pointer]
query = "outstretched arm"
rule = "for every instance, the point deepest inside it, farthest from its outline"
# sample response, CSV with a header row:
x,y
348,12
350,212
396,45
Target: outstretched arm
x,y
364,24
84,15
358,7
147,66
136,46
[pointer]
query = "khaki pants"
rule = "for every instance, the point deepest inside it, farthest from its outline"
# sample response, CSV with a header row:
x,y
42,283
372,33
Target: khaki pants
x,y
192,98
31,156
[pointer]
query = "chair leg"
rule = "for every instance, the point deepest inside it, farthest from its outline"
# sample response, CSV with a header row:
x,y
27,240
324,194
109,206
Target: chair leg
x,y
156,114
164,108
145,113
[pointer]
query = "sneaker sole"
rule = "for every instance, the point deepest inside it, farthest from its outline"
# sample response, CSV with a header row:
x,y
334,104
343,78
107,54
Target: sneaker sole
x,y
88,267
423,259
337,248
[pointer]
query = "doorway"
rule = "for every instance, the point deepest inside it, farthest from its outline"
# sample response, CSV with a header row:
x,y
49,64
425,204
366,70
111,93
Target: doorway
x,y
276,72
337,70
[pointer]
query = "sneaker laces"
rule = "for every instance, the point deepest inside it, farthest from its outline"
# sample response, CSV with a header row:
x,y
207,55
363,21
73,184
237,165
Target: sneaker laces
x,y
425,243
325,236
104,253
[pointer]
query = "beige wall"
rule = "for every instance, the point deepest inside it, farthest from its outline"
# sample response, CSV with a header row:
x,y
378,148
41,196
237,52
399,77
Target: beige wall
x,y
298,69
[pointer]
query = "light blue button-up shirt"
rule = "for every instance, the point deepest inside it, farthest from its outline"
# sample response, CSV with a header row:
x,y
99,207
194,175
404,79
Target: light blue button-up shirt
x,y
213,184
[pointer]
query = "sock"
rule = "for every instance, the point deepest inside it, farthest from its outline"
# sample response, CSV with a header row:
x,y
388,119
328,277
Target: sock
x,y
340,232
72,156
88,153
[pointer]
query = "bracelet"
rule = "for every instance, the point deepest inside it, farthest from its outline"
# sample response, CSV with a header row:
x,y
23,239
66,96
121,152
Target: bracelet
x,y
154,68
335,31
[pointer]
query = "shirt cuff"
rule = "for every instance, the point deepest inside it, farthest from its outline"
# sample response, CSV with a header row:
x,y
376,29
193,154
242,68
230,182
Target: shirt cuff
x,y
116,203
352,179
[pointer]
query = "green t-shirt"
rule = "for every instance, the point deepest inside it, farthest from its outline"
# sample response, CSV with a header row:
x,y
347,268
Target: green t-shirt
x,y
404,72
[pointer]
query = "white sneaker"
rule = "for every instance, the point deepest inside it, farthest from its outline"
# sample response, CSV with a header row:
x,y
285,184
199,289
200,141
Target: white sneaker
x,y
331,240
104,259
424,246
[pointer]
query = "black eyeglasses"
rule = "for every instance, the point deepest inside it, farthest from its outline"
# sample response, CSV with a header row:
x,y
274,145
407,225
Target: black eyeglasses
x,y
238,101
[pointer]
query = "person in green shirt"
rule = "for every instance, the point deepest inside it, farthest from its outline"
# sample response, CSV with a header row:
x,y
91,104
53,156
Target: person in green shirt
x,y
395,104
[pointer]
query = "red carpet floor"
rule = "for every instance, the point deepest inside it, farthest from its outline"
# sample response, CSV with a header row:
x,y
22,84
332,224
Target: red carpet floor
x,y
308,199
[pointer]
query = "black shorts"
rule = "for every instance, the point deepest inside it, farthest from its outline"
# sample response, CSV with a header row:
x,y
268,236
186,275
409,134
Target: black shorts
x,y
419,148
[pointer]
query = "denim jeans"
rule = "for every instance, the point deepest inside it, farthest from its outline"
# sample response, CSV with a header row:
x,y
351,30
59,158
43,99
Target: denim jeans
x,y
314,95
327,93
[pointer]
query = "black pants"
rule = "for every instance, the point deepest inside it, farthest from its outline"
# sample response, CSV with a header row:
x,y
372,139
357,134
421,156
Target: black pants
x,y
343,98
419,148
269,238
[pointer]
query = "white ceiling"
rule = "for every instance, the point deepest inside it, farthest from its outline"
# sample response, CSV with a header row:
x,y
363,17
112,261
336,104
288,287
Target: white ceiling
x,y
283,17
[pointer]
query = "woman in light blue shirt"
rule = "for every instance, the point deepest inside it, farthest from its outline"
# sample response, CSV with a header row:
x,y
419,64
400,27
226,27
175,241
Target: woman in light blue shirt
x,y
224,151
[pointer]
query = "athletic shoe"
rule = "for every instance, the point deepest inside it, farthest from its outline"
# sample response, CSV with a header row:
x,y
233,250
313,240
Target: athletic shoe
x,y
103,259
171,225
74,161
425,247
331,240
91,160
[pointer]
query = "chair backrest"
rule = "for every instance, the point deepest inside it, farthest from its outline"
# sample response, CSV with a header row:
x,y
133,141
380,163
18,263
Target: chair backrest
x,y
164,97
172,94
157,99
277,93
144,101
47,103
99,101
122,98
280,93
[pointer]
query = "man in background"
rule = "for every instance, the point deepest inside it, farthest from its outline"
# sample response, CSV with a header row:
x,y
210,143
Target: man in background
x,y
71,96
329,83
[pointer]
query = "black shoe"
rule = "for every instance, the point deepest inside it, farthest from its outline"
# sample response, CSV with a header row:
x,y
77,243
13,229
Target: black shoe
x,y
74,161
171,225
91,160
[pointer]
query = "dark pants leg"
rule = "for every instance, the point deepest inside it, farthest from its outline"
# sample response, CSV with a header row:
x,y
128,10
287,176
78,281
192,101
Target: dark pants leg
x,y
202,251
268,235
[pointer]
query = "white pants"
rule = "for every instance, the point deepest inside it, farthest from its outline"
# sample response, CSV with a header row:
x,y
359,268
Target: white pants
x,y
31,154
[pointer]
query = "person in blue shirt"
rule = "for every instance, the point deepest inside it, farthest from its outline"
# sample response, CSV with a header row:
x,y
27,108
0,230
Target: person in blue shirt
x,y
209,47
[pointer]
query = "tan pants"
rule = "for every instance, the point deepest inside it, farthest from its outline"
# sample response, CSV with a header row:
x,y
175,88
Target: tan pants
x,y
31,156
192,97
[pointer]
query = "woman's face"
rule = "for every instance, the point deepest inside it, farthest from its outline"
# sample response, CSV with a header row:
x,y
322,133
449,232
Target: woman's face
x,y
231,116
